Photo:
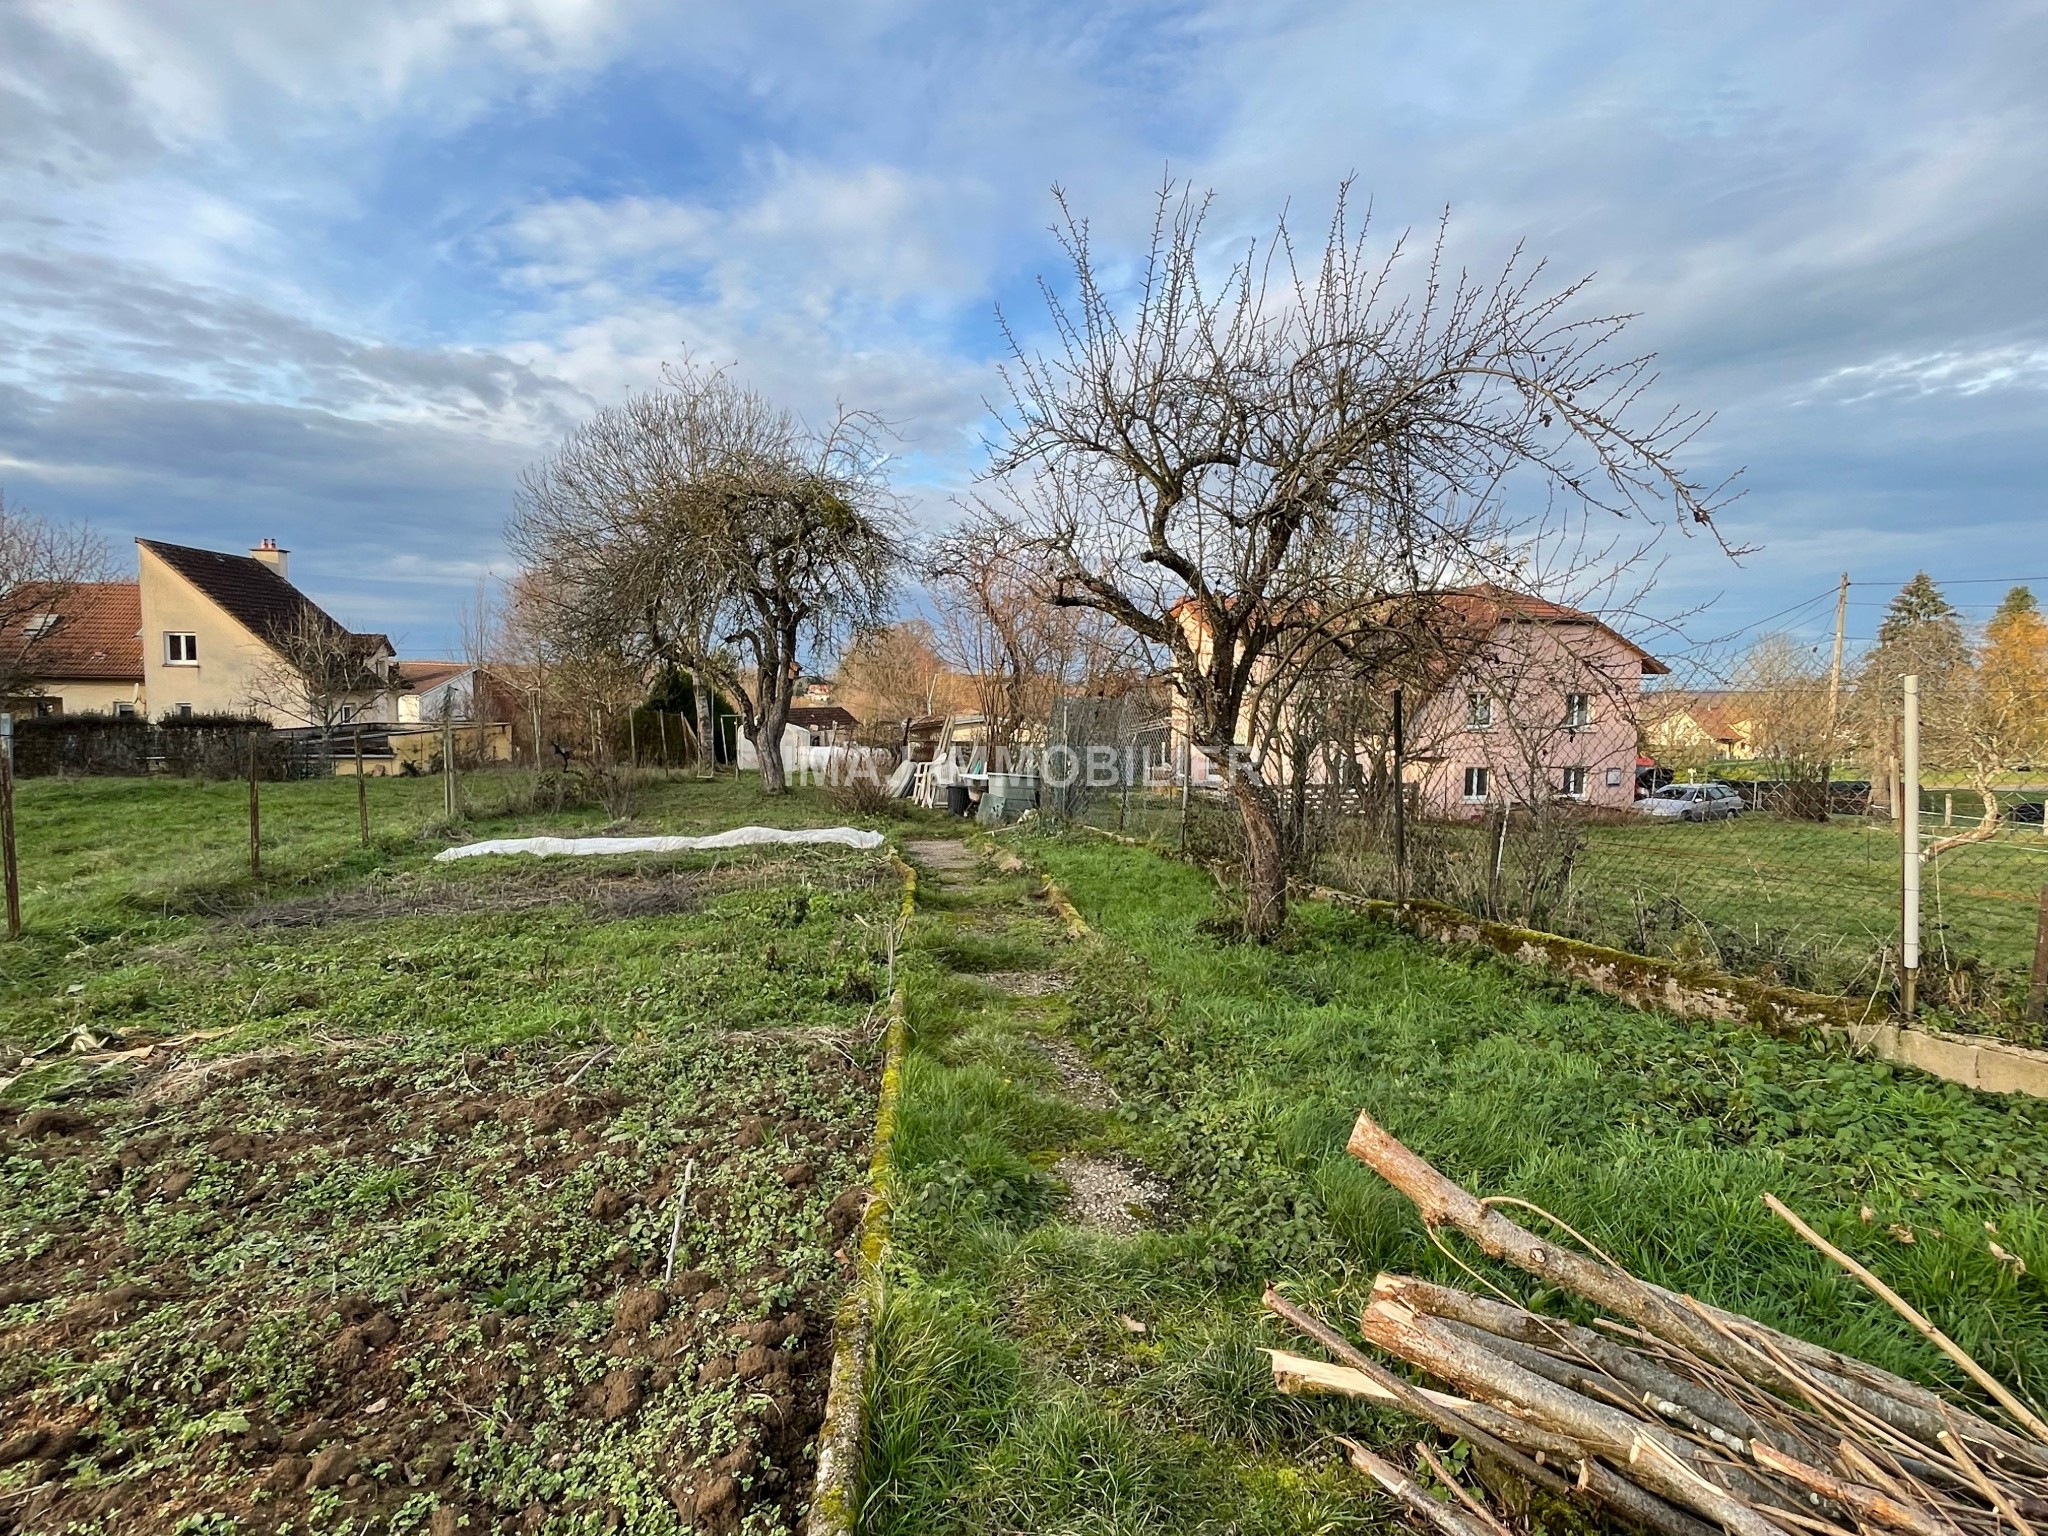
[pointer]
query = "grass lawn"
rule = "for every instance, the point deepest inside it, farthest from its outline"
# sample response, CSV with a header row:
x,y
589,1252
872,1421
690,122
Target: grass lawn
x,y
1812,905
1050,1365
350,1207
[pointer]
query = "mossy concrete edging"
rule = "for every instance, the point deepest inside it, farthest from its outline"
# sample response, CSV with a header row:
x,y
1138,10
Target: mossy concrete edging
x,y
1056,898
1972,1060
842,1439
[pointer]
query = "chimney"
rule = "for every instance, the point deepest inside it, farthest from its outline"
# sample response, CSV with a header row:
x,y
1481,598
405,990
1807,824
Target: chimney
x,y
277,559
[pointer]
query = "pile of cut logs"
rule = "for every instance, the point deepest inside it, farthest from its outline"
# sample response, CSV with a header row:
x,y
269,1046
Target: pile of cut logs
x,y
1671,1416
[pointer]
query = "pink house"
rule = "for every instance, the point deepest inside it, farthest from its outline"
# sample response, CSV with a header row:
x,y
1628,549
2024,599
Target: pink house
x,y
1534,703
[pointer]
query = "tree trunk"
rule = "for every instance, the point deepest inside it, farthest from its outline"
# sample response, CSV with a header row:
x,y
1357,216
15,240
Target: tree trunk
x,y
767,738
1265,869
707,724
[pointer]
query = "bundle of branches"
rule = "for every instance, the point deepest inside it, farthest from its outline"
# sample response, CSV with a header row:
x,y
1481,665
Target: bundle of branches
x,y
1668,1415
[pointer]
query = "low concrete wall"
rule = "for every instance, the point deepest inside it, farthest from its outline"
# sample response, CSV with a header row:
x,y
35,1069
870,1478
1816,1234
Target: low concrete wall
x,y
842,1439
1972,1060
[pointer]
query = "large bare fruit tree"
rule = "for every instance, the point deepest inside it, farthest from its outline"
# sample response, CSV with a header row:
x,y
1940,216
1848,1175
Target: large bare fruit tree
x,y
1225,451
700,526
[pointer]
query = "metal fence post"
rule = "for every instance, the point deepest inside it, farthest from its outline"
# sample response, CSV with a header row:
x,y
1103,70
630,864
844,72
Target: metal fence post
x,y
2037,988
1187,779
13,870
1909,844
1400,796
448,762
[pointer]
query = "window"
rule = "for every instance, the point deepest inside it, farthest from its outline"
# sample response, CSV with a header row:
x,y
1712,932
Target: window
x,y
1578,711
1478,712
40,625
181,649
1574,781
1614,778
123,710
184,711
1475,784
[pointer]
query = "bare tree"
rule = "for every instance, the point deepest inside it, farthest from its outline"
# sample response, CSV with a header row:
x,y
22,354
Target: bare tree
x,y
42,564
312,669
1987,718
1781,691
892,673
998,626
1217,465
702,527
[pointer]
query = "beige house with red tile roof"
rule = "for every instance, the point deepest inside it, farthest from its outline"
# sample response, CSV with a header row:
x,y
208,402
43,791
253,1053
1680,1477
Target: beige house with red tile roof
x,y
198,632
81,653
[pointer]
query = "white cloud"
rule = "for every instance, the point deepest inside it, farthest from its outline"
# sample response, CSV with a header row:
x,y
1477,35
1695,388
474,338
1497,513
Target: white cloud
x,y
1966,371
823,285
195,64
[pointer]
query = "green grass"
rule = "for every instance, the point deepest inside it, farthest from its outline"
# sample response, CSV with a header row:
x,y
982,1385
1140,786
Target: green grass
x,y
360,1167
1012,1394
112,867
1811,905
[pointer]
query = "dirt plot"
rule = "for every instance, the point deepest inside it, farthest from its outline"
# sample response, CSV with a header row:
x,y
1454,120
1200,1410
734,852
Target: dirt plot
x,y
385,1286
605,889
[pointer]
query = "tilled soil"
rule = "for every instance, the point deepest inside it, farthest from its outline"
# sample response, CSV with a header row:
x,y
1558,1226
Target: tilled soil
x,y
657,888
378,1286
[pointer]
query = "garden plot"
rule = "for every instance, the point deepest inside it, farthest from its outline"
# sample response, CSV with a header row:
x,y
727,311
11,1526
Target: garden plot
x,y
396,1255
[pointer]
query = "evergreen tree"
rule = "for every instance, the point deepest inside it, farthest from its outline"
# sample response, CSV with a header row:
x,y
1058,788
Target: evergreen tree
x,y
2017,602
1921,632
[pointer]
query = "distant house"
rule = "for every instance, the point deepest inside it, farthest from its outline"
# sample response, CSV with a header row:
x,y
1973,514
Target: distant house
x,y
77,652
216,629
435,690
809,726
1710,724
1519,701
1532,702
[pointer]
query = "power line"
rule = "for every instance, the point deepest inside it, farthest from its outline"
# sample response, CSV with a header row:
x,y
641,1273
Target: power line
x,y
1959,581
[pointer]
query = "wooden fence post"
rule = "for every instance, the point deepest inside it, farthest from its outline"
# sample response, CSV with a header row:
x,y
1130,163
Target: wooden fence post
x,y
13,870
2037,991
362,791
255,810
448,762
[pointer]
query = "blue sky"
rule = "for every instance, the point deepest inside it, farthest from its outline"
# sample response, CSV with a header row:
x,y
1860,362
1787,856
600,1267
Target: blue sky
x,y
334,273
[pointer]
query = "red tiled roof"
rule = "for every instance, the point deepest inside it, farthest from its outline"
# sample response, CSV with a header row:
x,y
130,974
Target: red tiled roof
x,y
1485,605
97,636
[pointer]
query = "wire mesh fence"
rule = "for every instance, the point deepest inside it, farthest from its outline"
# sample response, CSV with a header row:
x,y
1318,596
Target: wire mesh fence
x,y
1772,868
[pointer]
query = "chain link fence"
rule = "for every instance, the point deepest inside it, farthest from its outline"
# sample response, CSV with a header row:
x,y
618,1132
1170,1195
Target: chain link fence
x,y
1784,868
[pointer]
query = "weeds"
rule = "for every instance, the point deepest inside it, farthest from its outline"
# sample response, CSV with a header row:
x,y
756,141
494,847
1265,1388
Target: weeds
x,y
1015,1392
367,1256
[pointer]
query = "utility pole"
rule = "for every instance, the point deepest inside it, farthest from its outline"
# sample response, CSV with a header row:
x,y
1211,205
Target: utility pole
x,y
1827,791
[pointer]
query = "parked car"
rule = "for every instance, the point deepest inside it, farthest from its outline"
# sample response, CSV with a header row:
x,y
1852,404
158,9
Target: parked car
x,y
1692,802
